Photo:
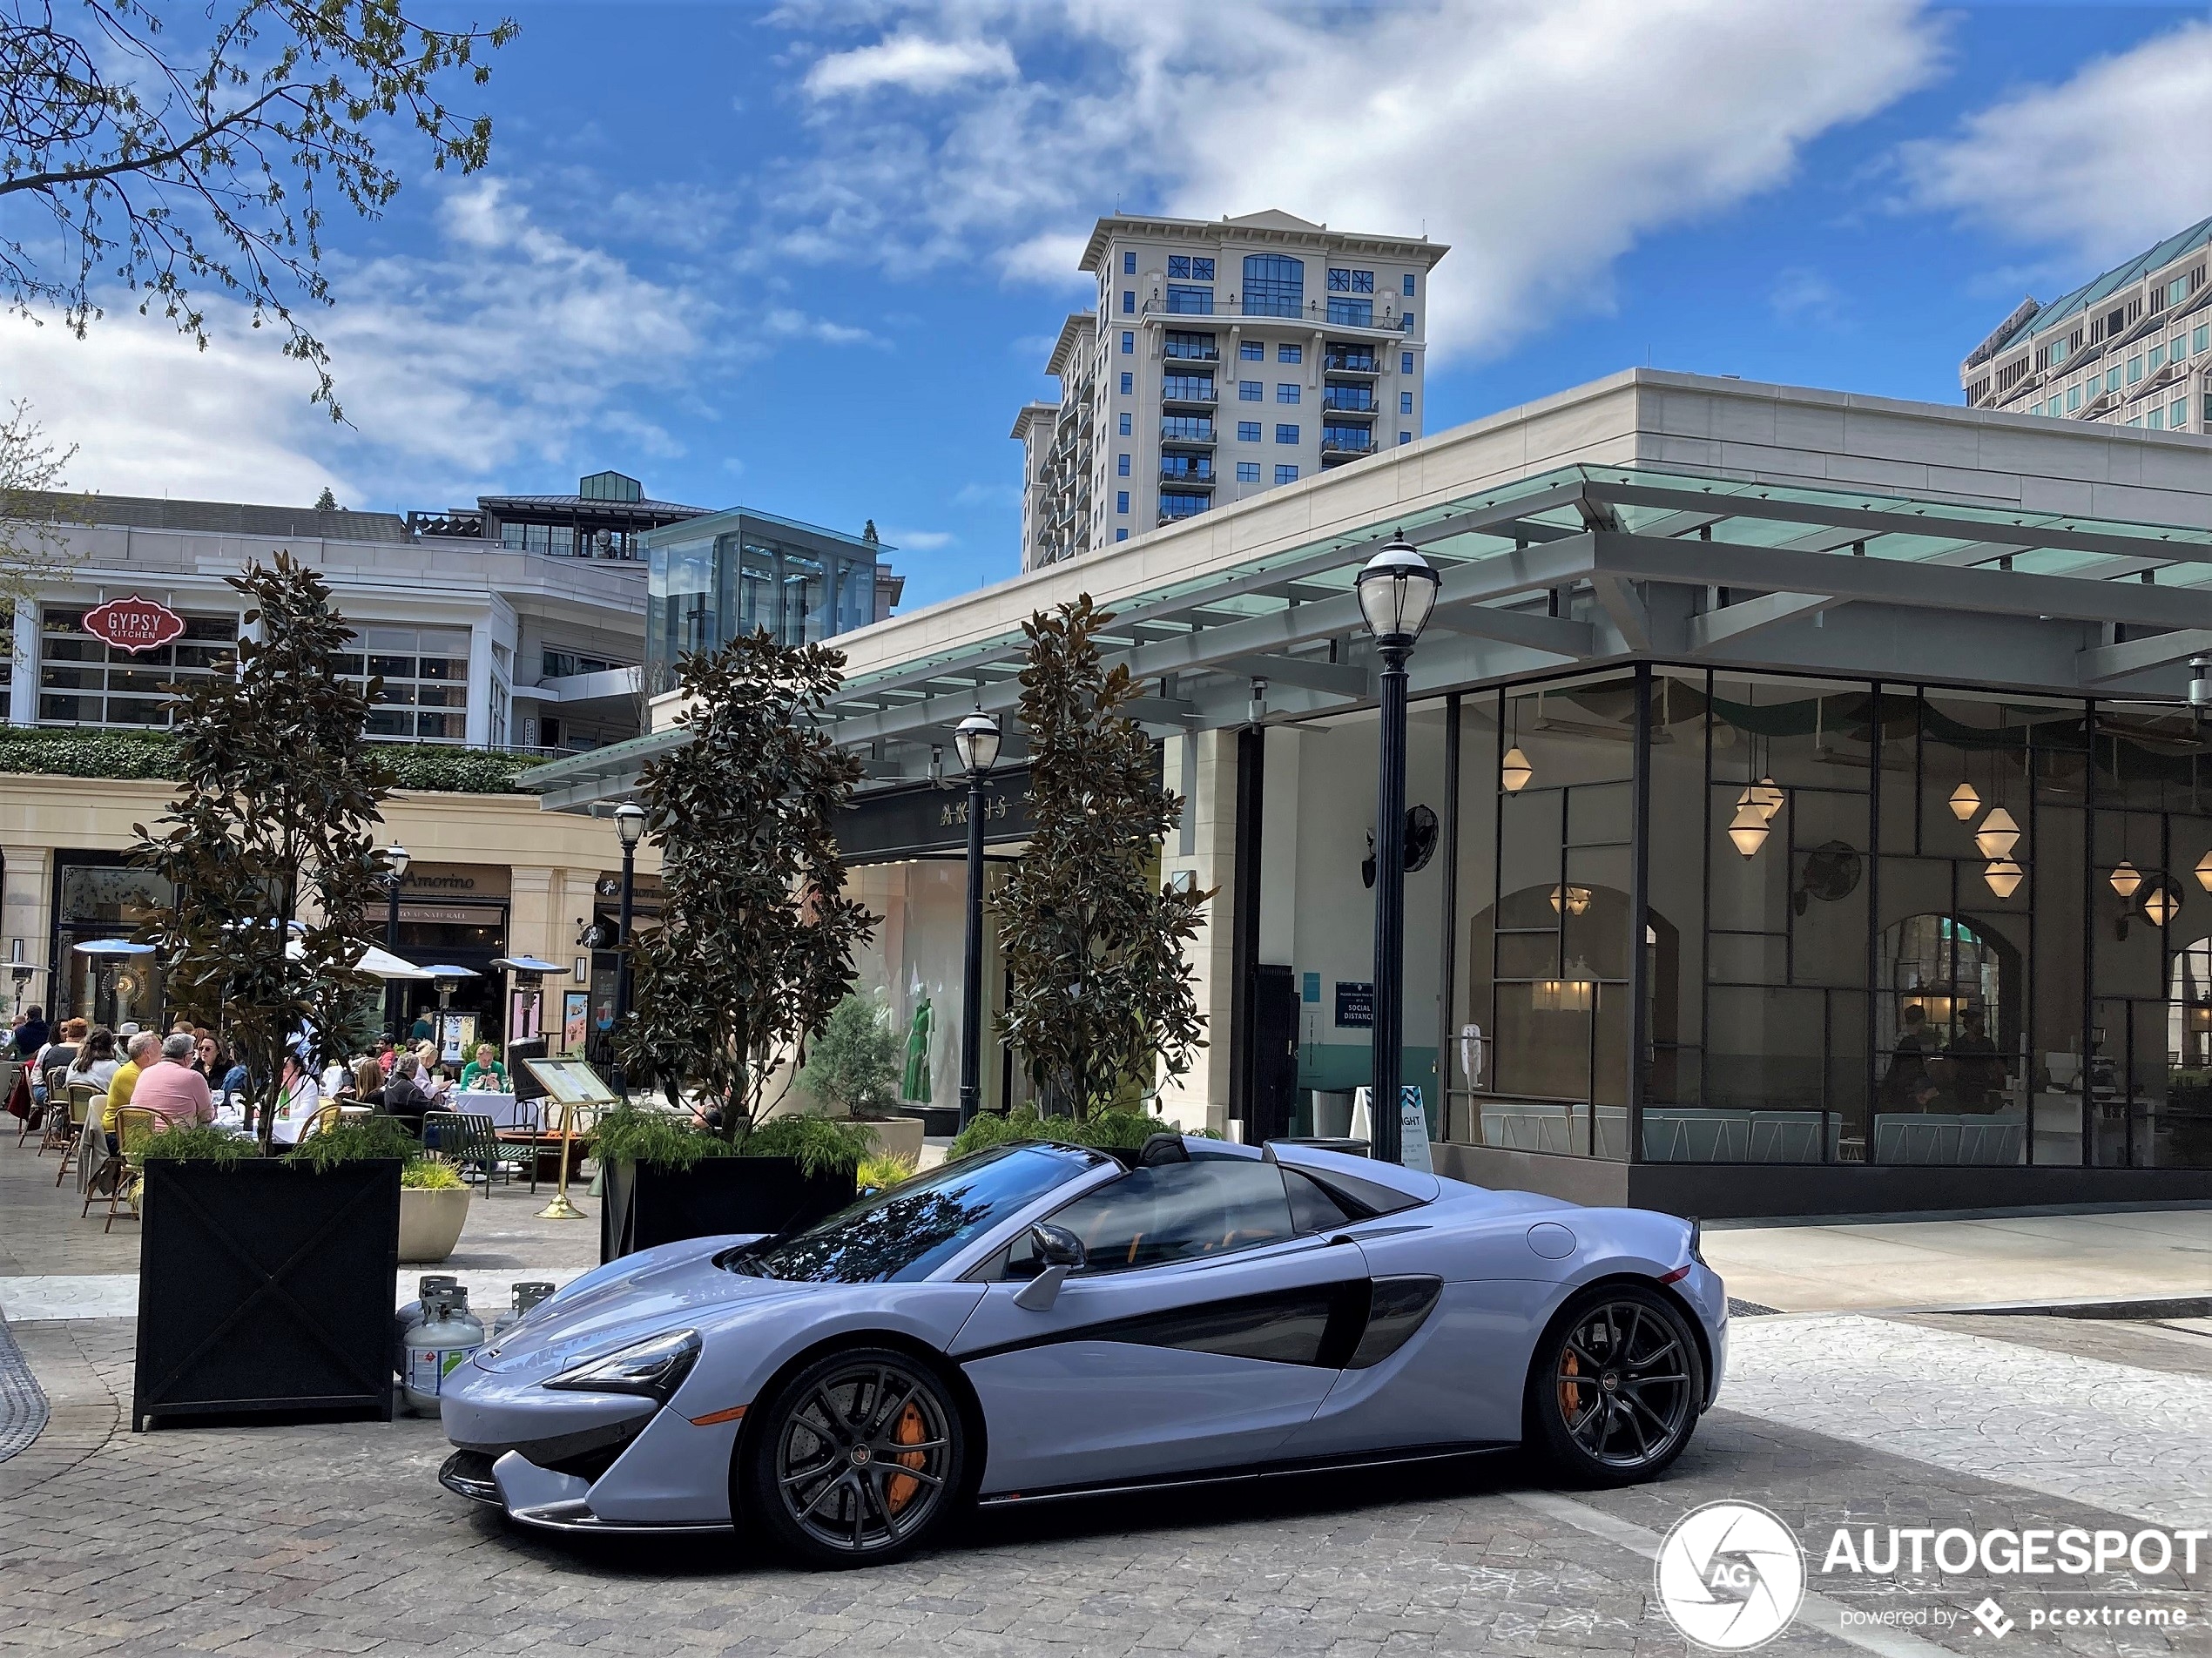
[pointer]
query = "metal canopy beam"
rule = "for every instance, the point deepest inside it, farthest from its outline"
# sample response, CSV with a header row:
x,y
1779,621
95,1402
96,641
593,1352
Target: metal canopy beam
x,y
2139,656
1339,679
1880,520
1560,636
1626,606
1733,622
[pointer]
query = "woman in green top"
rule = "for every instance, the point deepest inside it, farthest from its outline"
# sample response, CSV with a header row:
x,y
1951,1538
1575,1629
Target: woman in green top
x,y
484,1072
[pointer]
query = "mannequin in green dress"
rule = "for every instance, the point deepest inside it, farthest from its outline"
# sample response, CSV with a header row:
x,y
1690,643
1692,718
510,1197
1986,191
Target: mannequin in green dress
x,y
915,1087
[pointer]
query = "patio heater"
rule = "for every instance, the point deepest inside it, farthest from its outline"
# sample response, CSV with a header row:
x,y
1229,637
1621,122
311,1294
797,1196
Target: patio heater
x,y
1397,590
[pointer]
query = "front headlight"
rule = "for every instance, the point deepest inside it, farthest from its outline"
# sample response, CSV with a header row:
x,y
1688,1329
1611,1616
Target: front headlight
x,y
655,1367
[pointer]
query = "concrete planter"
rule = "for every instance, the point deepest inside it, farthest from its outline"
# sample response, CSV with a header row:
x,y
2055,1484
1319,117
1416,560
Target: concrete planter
x,y
430,1223
895,1137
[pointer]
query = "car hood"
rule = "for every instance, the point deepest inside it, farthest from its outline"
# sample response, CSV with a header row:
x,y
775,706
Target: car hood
x,y
630,1299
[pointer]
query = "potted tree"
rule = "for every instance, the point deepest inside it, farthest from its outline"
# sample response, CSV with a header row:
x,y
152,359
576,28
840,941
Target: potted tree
x,y
265,1285
754,949
852,1074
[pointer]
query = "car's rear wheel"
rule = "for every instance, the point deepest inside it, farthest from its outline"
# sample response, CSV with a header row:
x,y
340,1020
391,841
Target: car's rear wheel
x,y
858,1459
1614,1387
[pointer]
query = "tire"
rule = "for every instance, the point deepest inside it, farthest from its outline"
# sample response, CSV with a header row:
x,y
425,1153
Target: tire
x,y
1616,1385
858,1459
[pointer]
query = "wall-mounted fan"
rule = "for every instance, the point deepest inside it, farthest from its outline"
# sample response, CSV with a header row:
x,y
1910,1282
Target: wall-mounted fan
x,y
1422,833
1831,873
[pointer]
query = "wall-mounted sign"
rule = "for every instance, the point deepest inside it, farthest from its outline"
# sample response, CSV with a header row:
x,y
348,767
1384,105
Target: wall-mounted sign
x,y
456,883
133,624
921,819
1355,1005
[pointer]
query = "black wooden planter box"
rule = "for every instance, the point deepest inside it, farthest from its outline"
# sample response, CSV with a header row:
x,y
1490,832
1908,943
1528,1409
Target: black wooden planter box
x,y
641,1206
267,1287
936,1120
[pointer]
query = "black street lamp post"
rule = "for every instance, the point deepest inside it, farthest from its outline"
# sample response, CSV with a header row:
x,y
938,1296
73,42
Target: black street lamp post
x,y
977,739
395,863
1396,591
630,824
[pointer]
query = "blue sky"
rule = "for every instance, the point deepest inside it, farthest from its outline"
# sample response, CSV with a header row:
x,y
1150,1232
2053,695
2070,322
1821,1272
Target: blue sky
x,y
811,258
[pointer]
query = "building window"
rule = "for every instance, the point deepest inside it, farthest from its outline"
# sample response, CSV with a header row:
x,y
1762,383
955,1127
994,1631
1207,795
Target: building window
x,y
1120,535
1186,429
1252,350
1405,437
2178,415
1129,301
2157,357
1250,391
1363,281
1286,435
1189,348
1405,358
1128,343
1248,472
2135,369
1121,501
1286,391
1129,261
2112,379
1187,301
1353,313
1125,425
1248,432
2072,399
1129,383
1274,285
1120,465
1409,282
1202,270
1340,281
1289,353
1405,403
2201,339
1180,506
1405,323
2177,290
82,681
1286,474
426,682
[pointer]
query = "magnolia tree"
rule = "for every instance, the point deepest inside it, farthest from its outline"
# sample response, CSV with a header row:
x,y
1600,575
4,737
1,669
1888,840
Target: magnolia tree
x,y
273,825
1103,999
756,941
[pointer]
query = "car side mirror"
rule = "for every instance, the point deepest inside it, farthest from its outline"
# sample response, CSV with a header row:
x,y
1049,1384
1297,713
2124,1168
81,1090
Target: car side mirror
x,y
1060,1251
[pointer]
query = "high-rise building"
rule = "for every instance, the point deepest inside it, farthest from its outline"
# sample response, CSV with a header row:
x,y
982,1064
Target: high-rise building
x,y
1224,358
2132,348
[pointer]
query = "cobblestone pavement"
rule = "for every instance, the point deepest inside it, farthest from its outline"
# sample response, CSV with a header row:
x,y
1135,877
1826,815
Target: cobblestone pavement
x,y
335,1538
23,1402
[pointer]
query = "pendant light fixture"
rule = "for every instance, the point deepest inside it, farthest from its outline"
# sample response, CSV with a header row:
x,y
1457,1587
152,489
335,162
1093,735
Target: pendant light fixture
x,y
1514,770
2004,876
2126,879
1570,900
1749,829
2161,903
1965,802
1767,796
1997,835
2204,872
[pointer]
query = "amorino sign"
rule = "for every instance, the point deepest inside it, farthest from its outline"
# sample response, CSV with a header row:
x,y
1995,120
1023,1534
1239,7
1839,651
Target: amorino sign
x,y
918,819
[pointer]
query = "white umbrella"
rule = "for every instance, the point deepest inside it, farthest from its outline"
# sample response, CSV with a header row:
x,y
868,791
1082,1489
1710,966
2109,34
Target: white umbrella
x,y
380,962
528,964
117,947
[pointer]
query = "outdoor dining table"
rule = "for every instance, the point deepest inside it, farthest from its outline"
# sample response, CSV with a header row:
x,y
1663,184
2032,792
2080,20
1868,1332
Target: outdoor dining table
x,y
504,1109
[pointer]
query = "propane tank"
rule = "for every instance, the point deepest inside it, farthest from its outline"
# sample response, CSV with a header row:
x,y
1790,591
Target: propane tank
x,y
429,1284
527,1295
448,1337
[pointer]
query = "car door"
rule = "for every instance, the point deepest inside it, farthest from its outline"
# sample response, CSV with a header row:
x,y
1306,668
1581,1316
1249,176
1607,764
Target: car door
x,y
1205,1330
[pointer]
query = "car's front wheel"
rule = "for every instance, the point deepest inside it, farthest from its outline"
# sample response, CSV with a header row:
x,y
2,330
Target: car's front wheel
x,y
858,1459
1613,1390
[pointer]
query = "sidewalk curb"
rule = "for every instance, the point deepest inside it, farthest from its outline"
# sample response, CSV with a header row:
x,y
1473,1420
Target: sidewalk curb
x,y
2144,1307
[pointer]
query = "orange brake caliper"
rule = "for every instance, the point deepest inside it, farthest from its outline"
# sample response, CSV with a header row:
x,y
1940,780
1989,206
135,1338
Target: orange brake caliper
x,y
899,1489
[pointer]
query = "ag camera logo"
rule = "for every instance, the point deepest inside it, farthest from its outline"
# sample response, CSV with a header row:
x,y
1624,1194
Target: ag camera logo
x,y
1730,1576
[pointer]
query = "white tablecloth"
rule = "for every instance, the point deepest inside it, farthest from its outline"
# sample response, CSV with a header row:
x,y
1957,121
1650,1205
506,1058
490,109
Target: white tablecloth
x,y
287,1129
504,1110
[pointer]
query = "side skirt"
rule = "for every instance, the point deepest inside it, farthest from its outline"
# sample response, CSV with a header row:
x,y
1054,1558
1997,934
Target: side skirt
x,y
1243,1476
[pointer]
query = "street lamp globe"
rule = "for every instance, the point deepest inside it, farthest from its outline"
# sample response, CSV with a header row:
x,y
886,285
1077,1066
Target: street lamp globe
x,y
977,739
630,823
396,860
1397,590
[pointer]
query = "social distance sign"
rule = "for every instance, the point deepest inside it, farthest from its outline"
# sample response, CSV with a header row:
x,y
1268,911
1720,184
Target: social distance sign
x,y
133,624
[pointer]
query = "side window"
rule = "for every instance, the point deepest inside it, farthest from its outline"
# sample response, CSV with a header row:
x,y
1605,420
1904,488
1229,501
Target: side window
x,y
1180,1211
1314,1208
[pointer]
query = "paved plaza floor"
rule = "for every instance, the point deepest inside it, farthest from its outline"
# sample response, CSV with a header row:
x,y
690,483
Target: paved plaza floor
x,y
323,1538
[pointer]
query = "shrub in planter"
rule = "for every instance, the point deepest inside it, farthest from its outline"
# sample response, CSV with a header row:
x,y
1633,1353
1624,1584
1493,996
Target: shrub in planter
x,y
664,1179
265,1285
434,1208
1108,1130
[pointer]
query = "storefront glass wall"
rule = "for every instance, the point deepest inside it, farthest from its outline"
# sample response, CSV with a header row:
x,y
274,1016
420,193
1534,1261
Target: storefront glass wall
x,y
914,967
1872,929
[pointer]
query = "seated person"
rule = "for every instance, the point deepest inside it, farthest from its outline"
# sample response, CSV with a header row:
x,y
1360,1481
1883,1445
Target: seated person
x,y
143,1051
172,1089
301,1097
484,1072
405,1098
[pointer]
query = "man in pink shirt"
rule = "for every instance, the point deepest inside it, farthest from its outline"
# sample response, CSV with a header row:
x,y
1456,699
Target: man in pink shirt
x,y
174,1089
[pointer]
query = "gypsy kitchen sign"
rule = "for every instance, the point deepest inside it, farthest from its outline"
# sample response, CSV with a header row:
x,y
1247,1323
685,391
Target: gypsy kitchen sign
x,y
133,624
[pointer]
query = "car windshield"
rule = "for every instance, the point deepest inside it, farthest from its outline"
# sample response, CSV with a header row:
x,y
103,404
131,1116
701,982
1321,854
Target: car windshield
x,y
907,1232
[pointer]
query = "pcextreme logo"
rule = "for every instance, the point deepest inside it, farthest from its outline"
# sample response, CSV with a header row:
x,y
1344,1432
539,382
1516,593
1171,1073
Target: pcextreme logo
x,y
1730,1576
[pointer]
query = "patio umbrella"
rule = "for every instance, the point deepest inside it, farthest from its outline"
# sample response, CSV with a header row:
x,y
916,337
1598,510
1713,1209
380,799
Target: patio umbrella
x,y
528,964
372,960
114,950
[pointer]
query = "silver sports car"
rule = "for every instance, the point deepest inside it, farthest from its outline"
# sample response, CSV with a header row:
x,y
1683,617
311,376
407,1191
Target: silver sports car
x,y
1039,1321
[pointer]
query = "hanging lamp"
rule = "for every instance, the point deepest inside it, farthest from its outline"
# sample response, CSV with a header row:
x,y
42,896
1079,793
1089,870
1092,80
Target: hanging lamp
x,y
1514,771
2161,903
2004,876
2204,872
1748,829
1999,833
2126,879
1965,802
1767,796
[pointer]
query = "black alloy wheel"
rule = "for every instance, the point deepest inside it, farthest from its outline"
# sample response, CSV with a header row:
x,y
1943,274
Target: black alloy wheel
x,y
1615,1388
858,1459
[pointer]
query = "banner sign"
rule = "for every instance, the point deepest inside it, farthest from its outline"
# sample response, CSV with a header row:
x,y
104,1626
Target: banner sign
x,y
133,624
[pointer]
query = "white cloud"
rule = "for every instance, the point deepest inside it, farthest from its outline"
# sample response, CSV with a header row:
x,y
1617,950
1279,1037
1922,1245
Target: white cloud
x,y
920,540
1539,137
912,62
1801,294
788,324
2099,167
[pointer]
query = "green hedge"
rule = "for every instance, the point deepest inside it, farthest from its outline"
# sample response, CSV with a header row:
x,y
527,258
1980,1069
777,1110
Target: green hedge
x,y
153,754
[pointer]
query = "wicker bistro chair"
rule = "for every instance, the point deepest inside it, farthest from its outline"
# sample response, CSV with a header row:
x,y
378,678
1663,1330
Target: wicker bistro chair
x,y
125,1167
82,1097
321,1121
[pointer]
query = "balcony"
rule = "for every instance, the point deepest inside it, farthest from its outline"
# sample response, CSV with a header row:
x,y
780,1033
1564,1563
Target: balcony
x,y
1189,394
1178,351
1335,451
1188,431
1189,477
1349,400
1337,361
1174,509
